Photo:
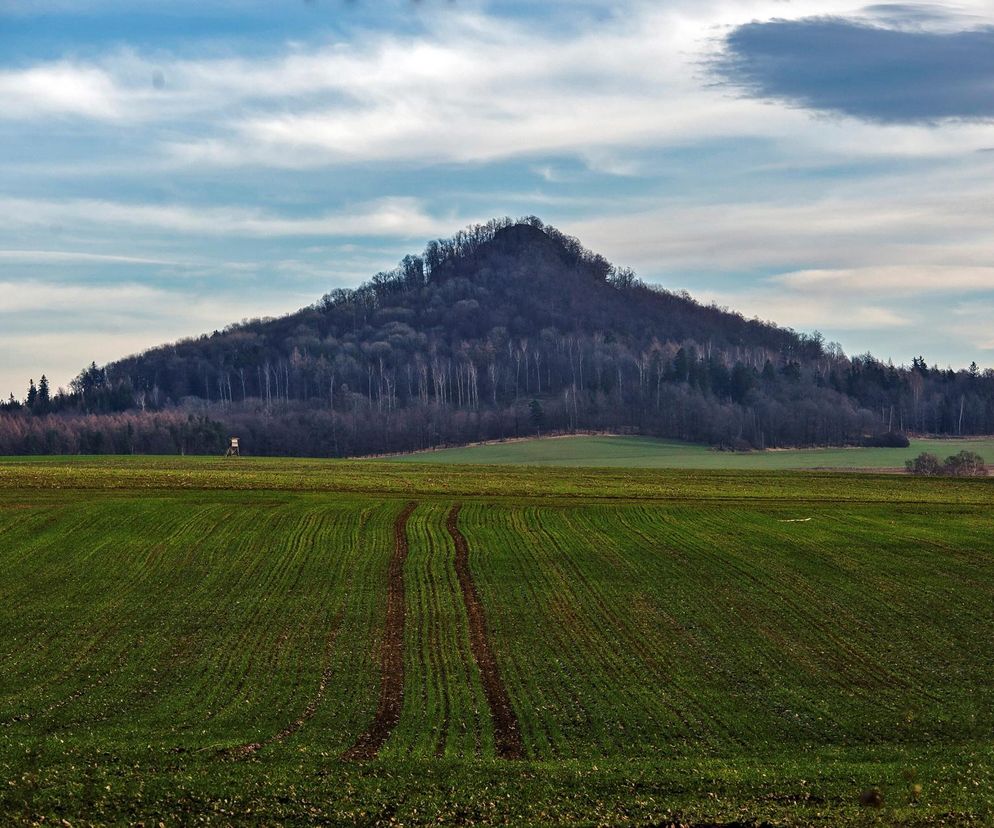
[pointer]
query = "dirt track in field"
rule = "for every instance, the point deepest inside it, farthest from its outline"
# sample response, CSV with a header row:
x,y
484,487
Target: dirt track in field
x,y
391,651
507,731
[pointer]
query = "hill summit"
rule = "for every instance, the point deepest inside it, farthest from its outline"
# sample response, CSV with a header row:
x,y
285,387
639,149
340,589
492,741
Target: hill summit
x,y
505,329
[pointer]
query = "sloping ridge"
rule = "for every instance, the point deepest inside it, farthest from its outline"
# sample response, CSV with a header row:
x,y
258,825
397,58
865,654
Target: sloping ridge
x,y
532,278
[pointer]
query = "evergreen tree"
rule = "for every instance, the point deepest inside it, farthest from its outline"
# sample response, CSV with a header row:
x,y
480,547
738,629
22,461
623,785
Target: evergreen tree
x,y
32,398
44,397
536,415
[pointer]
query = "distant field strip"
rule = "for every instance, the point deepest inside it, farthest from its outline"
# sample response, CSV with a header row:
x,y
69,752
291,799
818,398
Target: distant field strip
x,y
507,732
653,453
36,481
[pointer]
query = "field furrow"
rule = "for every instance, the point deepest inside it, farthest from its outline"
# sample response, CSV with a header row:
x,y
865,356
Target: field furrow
x,y
391,651
444,712
507,732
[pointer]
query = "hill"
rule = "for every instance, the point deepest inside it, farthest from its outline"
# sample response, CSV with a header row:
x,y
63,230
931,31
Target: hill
x,y
503,330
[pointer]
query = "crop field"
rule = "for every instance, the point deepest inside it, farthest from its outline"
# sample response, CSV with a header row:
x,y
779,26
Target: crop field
x,y
196,641
652,453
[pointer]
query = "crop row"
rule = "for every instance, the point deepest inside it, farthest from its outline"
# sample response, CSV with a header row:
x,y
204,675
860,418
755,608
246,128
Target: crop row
x,y
190,625
646,631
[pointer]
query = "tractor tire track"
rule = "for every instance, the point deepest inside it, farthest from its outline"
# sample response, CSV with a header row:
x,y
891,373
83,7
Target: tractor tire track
x,y
368,745
250,748
507,731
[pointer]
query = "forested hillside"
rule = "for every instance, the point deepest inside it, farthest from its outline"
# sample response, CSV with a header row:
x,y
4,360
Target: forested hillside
x,y
506,329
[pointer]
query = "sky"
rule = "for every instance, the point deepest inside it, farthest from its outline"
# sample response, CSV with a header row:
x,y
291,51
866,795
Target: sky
x,y
167,169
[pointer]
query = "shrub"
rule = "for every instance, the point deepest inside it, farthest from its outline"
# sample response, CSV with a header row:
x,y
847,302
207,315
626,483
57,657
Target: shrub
x,y
965,464
925,464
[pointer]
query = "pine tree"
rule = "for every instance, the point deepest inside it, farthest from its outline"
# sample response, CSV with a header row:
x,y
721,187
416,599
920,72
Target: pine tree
x,y
536,415
44,397
32,398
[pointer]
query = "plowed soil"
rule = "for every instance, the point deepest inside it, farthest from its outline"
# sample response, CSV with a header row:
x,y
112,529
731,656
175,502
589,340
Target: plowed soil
x,y
391,651
507,731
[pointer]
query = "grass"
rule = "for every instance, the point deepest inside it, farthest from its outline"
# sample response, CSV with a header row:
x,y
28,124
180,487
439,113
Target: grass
x,y
652,453
694,646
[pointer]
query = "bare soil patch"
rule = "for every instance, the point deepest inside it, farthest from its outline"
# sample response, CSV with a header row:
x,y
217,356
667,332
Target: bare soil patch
x,y
391,652
507,731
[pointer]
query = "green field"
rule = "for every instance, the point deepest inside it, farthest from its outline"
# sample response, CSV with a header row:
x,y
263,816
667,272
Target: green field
x,y
197,641
652,453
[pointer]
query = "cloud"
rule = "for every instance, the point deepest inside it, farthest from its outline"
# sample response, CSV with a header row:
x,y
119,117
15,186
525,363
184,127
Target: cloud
x,y
898,281
472,88
74,256
60,88
133,305
849,67
58,327
469,87
873,299
400,217
24,296
803,311
475,89
918,16
934,223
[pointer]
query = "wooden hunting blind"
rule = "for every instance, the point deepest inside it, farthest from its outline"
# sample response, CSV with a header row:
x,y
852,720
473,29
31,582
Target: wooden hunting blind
x,y
232,448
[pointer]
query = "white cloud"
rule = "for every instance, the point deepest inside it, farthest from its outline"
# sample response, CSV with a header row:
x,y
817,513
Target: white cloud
x,y
972,320
934,222
60,88
25,296
76,256
473,88
400,217
111,321
804,312
895,280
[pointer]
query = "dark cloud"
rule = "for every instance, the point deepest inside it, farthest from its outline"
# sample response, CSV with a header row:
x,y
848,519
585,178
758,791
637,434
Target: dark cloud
x,y
879,74
906,14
